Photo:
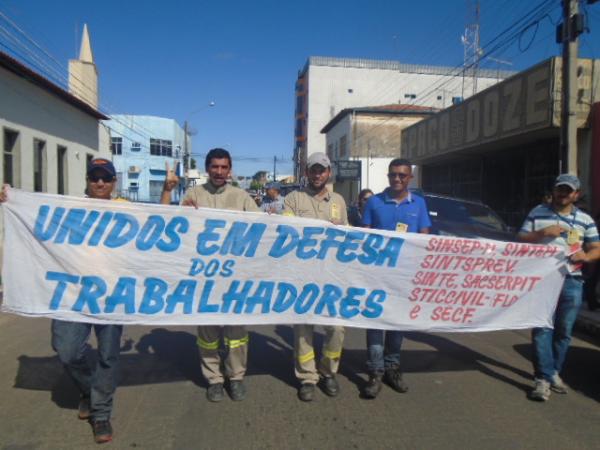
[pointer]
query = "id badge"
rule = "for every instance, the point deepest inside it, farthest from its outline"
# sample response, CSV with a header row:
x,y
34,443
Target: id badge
x,y
335,212
573,236
401,227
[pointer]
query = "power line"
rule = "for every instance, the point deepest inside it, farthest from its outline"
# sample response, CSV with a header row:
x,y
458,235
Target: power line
x,y
538,13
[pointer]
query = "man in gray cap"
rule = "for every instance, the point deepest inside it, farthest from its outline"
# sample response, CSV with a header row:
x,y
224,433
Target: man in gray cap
x,y
272,203
562,224
317,202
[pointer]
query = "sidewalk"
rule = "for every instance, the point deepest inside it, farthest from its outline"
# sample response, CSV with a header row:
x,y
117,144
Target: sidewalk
x,y
589,321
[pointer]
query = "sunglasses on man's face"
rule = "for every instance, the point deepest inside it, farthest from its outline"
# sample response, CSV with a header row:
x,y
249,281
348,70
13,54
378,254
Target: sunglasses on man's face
x,y
95,178
402,176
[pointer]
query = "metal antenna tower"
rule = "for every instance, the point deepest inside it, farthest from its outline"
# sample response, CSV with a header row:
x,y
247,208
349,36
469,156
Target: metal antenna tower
x,y
470,41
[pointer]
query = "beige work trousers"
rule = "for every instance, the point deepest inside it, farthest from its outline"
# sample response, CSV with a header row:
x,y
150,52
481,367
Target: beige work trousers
x,y
304,353
235,339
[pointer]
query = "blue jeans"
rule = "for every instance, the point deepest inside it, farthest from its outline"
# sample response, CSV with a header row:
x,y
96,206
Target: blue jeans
x,y
69,340
550,345
383,356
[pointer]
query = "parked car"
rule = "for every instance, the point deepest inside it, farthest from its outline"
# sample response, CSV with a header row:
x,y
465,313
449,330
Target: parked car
x,y
465,218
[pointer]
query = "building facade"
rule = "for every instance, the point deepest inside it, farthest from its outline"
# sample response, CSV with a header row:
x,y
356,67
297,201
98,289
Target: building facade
x,y
141,146
361,142
501,146
327,85
49,133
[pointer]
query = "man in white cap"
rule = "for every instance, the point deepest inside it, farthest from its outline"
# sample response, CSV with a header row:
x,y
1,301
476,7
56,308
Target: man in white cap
x,y
317,202
562,224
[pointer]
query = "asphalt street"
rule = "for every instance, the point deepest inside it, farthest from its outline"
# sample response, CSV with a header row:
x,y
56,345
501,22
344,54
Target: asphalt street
x,y
466,391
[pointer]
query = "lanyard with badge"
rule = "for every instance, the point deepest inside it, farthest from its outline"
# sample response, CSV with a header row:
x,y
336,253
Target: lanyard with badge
x,y
573,235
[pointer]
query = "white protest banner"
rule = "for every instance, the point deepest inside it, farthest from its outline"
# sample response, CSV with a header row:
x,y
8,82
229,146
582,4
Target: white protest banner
x,y
116,262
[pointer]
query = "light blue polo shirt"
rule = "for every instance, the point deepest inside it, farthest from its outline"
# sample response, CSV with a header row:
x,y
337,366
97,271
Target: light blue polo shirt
x,y
543,216
384,213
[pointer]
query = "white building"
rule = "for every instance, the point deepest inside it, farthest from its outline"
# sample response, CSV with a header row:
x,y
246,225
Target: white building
x,y
327,85
47,135
361,142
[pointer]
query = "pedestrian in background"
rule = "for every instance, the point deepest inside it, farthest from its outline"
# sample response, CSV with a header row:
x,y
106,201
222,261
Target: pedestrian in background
x,y
356,211
562,224
272,202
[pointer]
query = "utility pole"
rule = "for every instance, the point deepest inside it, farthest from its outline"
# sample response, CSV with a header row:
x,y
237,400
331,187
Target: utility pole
x,y
569,30
274,168
186,154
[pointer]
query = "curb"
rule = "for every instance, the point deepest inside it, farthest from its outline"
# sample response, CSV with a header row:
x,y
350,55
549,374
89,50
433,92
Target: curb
x,y
588,322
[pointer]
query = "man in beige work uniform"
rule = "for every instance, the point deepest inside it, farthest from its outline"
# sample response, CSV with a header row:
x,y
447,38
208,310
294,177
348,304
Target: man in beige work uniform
x,y
317,202
217,193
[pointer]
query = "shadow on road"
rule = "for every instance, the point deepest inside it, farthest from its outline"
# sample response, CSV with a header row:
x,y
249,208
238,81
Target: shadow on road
x,y
581,371
165,356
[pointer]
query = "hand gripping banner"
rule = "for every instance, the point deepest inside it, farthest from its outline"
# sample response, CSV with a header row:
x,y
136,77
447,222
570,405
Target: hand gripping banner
x,y
98,261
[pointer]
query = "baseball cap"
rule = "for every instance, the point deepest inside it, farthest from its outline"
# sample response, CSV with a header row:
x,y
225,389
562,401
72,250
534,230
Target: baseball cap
x,y
273,185
318,158
567,179
102,164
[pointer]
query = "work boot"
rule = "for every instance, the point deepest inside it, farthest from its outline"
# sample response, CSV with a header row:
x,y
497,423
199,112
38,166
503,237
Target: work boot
x,y
541,390
373,387
84,408
393,377
330,386
237,390
102,431
214,393
306,392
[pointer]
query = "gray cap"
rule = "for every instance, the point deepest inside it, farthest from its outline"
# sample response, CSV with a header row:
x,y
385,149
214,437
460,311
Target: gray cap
x,y
567,179
273,185
318,158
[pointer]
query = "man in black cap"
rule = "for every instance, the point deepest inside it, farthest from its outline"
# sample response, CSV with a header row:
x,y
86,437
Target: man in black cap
x,y
96,384
562,224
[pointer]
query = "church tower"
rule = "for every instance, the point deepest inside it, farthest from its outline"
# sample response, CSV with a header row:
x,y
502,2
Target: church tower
x,y
83,75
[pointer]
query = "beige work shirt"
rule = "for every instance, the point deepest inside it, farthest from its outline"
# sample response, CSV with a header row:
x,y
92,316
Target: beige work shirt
x,y
304,203
224,197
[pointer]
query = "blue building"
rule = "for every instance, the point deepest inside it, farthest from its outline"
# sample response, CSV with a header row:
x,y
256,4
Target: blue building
x,y
141,145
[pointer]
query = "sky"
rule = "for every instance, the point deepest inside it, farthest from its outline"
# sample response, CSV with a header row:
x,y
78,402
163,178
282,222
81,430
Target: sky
x,y
172,59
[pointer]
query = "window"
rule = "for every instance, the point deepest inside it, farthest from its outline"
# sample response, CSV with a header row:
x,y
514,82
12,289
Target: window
x,y
61,168
39,165
10,173
178,152
299,104
343,146
350,91
136,146
116,146
411,96
161,147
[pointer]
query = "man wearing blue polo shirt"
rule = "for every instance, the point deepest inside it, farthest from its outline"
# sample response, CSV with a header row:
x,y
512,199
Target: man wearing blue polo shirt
x,y
393,209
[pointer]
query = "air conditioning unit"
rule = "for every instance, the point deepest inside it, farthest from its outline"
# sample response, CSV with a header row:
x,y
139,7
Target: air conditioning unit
x,y
134,169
